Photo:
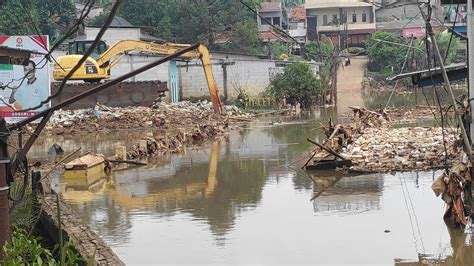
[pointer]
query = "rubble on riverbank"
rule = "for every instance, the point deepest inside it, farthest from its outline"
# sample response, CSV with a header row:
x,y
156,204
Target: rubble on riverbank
x,y
372,144
162,116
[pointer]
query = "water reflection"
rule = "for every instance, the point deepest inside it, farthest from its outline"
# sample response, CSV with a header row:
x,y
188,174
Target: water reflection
x,y
350,195
239,201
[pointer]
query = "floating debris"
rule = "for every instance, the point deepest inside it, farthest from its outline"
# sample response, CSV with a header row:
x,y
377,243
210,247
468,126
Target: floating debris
x,y
372,145
401,149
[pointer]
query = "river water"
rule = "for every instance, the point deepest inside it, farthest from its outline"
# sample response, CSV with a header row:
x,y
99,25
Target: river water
x,y
240,200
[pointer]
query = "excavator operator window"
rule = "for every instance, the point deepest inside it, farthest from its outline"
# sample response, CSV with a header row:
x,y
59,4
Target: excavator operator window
x,y
80,47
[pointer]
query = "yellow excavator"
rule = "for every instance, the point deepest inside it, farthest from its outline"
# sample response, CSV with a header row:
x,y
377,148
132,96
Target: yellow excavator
x,y
98,66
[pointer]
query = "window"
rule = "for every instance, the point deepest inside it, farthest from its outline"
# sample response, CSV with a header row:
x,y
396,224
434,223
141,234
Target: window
x,y
364,17
264,21
354,18
325,20
276,21
334,19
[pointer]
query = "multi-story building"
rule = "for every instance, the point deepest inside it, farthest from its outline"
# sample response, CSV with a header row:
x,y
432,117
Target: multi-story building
x,y
346,22
452,15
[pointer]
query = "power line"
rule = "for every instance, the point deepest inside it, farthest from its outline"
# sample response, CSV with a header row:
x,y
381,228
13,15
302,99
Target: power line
x,y
72,30
86,55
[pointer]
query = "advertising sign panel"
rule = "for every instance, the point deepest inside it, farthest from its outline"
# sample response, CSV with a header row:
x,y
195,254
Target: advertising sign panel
x,y
24,86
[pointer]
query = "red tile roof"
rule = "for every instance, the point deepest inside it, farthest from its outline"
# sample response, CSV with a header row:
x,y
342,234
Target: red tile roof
x,y
269,36
270,7
298,13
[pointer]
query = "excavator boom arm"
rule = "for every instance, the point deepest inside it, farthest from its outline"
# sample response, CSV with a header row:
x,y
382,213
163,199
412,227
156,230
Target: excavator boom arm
x,y
167,49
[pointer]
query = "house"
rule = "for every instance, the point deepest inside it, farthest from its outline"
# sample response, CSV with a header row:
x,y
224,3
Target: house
x,y
297,23
453,15
271,13
346,22
403,18
408,28
120,29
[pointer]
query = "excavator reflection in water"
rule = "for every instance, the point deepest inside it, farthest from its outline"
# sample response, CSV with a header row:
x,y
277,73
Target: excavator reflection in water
x,y
120,195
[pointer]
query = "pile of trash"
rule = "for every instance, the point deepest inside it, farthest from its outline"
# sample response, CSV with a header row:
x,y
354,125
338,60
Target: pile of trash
x,y
372,144
452,185
166,116
401,149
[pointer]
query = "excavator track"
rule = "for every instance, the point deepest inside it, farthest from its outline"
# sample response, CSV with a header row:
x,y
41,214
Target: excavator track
x,y
138,93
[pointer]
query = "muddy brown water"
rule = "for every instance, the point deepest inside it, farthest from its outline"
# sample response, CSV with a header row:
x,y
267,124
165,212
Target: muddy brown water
x,y
239,201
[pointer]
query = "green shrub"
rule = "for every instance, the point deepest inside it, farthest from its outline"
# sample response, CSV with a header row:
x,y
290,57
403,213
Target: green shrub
x,y
296,85
27,250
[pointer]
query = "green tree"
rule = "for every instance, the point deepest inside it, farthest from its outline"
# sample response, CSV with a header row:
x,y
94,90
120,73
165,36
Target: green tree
x,y
326,52
244,38
279,50
21,17
297,84
204,21
383,54
386,57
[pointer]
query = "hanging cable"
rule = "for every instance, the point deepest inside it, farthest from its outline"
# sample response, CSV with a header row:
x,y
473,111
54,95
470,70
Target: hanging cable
x,y
86,55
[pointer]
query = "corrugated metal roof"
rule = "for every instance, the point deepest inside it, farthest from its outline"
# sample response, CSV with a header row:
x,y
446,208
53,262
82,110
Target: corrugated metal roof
x,y
271,36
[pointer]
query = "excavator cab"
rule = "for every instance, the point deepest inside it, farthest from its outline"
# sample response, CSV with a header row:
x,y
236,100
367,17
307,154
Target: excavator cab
x,y
80,48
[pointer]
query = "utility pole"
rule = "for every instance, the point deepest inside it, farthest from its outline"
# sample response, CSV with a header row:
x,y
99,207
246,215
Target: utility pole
x,y
470,67
429,32
4,203
470,61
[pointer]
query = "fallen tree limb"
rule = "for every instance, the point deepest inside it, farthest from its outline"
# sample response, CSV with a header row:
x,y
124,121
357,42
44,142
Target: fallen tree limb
x,y
331,151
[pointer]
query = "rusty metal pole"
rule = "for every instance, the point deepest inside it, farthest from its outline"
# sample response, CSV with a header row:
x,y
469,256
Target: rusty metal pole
x,y
4,203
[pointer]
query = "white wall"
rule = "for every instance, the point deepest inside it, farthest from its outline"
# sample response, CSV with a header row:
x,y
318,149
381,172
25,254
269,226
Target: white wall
x,y
329,12
113,35
248,72
251,75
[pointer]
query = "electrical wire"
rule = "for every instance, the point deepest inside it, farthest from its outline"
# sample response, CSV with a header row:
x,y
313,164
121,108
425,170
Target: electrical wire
x,y
85,12
451,37
83,58
436,96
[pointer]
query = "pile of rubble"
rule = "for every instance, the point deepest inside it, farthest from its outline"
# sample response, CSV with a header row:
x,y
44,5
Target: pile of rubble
x,y
373,145
400,149
161,115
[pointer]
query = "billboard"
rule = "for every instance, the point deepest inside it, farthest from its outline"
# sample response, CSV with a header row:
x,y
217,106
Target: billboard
x,y
26,86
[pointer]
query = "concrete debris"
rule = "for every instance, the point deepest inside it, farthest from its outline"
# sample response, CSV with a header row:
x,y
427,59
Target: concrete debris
x,y
373,145
160,115
400,149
